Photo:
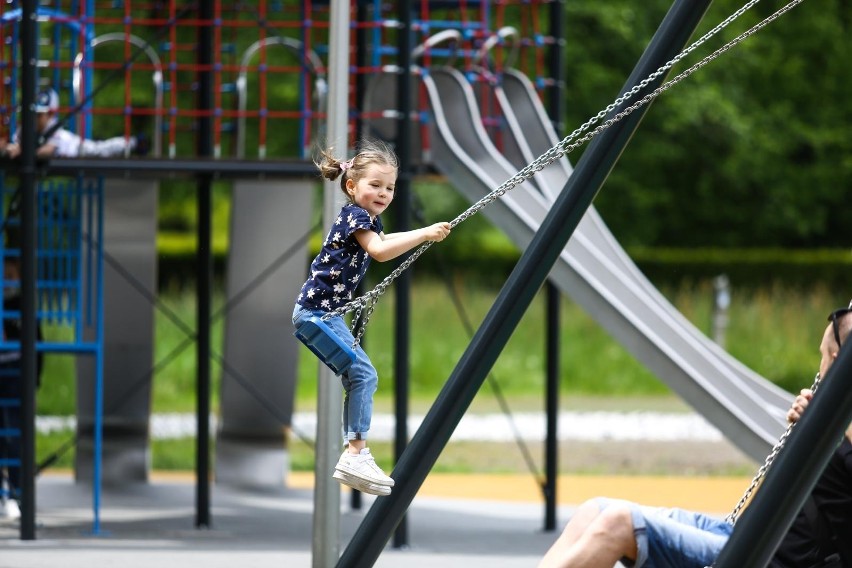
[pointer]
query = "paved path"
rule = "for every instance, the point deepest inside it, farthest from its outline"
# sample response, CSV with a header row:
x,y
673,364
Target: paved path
x,y
456,521
573,425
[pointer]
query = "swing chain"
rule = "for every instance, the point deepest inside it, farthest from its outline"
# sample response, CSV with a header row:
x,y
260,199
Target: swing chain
x,y
371,305
355,319
734,515
573,141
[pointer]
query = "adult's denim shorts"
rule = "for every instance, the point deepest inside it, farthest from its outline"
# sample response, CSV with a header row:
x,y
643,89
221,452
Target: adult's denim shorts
x,y
673,538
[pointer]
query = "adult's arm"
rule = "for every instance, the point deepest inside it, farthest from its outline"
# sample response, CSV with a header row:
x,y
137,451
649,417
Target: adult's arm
x,y
801,403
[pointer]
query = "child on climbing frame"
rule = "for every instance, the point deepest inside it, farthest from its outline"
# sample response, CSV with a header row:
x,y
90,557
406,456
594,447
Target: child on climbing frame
x,y
368,180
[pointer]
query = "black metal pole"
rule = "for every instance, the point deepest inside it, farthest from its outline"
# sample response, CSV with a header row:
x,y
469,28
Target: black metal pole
x,y
551,451
362,49
515,297
556,92
27,179
356,498
204,267
791,478
402,361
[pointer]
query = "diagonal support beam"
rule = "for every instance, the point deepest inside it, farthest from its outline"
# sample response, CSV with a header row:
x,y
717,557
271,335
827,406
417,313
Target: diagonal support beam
x,y
514,299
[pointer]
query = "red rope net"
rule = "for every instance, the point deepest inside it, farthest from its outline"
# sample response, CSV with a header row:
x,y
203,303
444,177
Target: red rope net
x,y
133,66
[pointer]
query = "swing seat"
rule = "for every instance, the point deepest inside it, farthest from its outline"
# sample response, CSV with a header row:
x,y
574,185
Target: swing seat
x,y
325,344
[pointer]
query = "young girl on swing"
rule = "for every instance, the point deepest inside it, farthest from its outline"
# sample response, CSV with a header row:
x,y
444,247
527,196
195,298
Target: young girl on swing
x,y
368,181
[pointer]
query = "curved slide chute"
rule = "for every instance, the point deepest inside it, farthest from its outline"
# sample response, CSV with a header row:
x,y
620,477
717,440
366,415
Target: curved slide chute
x,y
593,269
523,101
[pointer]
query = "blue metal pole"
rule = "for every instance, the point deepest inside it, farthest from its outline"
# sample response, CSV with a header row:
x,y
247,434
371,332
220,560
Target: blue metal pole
x,y
99,353
89,73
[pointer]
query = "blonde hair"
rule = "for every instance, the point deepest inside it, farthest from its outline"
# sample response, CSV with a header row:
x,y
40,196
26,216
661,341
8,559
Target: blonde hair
x,y
368,152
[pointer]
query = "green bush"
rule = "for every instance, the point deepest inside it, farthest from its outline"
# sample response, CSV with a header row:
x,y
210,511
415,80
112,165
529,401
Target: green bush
x,y
493,257
481,249
751,268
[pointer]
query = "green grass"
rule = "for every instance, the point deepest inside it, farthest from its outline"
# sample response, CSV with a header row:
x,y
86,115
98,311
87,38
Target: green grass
x,y
774,331
172,454
58,446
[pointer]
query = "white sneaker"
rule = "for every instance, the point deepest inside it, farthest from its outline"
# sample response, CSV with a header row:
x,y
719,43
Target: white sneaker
x,y
361,485
10,510
363,467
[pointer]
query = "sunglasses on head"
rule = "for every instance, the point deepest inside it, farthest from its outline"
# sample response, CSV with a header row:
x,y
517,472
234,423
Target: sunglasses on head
x,y
834,316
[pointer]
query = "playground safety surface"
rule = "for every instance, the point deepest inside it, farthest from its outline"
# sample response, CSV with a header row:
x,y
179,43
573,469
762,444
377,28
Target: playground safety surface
x,y
456,520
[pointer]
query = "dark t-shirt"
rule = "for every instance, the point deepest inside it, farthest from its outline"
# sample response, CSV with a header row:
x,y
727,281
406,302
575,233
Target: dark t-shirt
x,y
341,264
832,495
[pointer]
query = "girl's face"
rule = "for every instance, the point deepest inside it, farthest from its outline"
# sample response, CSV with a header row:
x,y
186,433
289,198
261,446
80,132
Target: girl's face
x,y
374,191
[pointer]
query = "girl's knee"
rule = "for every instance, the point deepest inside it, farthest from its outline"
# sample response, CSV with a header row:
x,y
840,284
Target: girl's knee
x,y
366,384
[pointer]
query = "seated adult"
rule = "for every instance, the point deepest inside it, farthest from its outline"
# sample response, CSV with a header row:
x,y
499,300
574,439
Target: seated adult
x,y
605,531
63,143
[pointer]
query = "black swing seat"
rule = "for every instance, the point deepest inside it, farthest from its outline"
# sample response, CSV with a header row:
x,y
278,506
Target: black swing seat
x,y
325,344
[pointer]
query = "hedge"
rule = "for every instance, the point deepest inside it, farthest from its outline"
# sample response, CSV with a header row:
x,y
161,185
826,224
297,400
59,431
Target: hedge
x,y
748,267
751,268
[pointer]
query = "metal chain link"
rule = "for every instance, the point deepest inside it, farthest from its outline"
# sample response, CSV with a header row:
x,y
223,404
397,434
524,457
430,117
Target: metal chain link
x,y
761,472
733,516
366,318
570,143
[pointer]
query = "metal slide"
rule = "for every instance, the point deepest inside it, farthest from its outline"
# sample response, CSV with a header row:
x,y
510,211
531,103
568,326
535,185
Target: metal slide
x,y
539,136
592,269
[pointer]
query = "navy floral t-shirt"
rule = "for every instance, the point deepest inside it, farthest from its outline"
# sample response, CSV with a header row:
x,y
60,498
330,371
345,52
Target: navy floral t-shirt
x,y
341,264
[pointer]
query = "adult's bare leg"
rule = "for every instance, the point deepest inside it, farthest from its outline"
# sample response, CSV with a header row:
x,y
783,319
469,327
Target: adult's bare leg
x,y
593,539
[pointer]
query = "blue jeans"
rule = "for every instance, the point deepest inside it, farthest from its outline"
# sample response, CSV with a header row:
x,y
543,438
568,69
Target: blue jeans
x,y
674,538
360,381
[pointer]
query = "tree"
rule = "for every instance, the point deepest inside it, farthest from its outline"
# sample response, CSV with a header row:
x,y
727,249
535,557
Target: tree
x,y
749,151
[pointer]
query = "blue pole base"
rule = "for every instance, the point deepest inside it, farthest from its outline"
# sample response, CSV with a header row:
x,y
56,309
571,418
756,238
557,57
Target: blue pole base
x,y
325,344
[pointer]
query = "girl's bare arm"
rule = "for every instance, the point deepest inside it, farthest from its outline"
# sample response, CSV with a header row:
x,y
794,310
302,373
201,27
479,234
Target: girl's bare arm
x,y
384,247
